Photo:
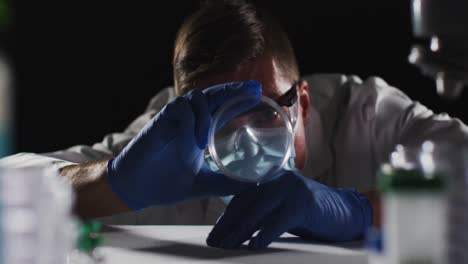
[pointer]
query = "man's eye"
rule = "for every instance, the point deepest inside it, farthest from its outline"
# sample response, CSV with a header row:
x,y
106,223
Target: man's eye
x,y
274,115
268,119
270,116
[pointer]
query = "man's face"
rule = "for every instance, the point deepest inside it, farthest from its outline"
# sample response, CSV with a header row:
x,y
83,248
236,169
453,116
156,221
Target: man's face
x,y
274,85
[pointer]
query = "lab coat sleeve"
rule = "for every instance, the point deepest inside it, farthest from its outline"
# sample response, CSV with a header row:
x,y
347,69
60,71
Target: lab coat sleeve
x,y
110,146
400,120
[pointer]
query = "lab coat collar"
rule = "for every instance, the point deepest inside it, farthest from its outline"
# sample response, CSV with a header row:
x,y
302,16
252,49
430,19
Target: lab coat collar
x,y
323,114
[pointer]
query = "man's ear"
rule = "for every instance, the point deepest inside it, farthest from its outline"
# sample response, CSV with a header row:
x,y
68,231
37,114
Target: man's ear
x,y
304,100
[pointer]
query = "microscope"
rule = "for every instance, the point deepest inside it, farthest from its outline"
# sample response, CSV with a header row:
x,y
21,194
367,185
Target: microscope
x,y
445,57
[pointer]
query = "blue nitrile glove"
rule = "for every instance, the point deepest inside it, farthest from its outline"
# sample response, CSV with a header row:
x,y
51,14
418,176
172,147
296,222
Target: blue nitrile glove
x,y
164,163
294,204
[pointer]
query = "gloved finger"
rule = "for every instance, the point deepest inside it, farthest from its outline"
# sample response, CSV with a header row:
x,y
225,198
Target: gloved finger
x,y
184,129
202,116
243,206
236,207
279,222
247,225
219,94
217,184
234,240
269,198
180,111
176,114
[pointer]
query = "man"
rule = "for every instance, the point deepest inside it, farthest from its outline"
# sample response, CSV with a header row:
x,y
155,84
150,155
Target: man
x,y
345,129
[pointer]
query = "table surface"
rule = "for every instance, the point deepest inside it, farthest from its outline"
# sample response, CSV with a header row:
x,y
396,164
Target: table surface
x,y
186,244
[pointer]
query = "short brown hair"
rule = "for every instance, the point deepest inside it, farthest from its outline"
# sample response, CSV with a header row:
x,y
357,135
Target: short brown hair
x,y
221,36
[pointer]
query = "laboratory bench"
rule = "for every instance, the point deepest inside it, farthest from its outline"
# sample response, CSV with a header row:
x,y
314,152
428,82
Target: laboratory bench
x,y
186,244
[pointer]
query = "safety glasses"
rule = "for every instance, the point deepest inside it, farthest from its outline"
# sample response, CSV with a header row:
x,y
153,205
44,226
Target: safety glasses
x,y
288,102
264,116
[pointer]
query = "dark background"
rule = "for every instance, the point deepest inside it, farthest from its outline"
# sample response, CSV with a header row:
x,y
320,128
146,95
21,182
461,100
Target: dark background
x,y
87,68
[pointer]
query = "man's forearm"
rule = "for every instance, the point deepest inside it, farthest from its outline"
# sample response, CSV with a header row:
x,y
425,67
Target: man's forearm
x,y
94,196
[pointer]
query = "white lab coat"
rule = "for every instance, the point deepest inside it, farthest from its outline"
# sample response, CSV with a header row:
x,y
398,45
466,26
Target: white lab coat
x,y
352,128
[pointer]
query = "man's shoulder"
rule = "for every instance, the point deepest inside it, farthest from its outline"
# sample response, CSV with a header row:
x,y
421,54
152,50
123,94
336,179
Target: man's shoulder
x,y
158,101
373,92
383,99
156,104
327,84
324,86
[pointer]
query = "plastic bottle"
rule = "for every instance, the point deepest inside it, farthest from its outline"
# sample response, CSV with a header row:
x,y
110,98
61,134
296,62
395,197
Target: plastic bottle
x,y
414,208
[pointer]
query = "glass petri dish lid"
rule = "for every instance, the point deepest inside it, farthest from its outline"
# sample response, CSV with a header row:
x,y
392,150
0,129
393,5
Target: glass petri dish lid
x,y
250,139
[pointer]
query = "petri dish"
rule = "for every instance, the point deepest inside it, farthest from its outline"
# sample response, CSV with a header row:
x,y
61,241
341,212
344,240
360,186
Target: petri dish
x,y
250,139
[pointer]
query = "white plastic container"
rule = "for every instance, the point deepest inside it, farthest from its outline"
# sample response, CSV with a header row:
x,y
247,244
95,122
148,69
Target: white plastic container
x,y
414,203
37,225
415,226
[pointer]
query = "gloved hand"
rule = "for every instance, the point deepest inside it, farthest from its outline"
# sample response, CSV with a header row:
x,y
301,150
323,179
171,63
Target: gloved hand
x,y
164,163
295,204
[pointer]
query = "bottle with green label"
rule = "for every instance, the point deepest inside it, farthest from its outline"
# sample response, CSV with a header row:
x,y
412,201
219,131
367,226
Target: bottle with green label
x,y
414,203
